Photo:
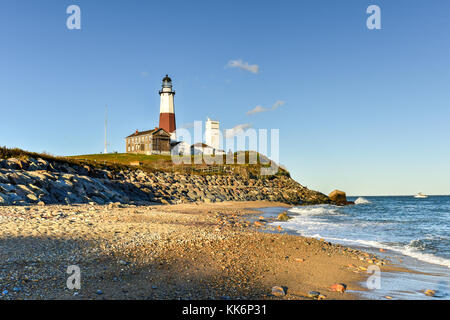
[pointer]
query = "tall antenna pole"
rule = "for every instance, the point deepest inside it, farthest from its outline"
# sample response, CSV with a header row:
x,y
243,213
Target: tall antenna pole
x,y
106,127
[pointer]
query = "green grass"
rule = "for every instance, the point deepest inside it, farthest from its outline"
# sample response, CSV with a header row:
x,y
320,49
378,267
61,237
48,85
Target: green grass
x,y
6,153
125,158
164,163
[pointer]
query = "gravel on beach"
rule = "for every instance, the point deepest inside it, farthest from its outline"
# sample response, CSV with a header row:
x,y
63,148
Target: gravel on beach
x,y
185,251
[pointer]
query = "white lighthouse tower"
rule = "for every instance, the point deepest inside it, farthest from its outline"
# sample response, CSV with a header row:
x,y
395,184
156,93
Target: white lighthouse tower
x,y
212,133
167,109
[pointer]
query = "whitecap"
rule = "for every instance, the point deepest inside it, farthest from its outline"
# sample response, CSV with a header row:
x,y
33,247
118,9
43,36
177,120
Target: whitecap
x,y
362,200
407,250
314,210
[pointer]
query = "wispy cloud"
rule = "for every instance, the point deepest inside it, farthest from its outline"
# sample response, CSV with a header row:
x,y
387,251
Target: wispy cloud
x,y
240,128
254,68
144,74
259,109
277,104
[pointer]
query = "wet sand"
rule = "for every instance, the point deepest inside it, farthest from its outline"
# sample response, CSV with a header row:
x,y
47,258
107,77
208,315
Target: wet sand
x,y
185,251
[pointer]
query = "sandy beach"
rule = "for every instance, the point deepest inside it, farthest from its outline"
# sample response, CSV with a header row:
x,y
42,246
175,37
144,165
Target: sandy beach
x,y
185,251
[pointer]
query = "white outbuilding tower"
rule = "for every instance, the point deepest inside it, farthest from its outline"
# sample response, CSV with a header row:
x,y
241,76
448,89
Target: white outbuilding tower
x,y
212,133
167,109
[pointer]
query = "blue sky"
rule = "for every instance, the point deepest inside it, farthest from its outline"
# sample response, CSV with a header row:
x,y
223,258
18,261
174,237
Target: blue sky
x,y
366,111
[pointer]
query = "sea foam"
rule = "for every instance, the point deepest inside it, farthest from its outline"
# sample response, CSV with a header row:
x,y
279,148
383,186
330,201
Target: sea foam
x,y
313,210
362,200
407,250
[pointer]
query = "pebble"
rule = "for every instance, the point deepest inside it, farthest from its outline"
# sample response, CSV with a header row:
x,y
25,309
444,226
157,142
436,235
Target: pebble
x,y
313,294
278,291
430,292
258,223
338,287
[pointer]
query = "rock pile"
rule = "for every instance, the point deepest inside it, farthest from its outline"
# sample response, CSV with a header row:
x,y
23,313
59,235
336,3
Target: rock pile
x,y
37,181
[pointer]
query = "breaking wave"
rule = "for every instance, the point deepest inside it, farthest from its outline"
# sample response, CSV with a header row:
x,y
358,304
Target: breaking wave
x,y
370,228
362,200
314,210
410,250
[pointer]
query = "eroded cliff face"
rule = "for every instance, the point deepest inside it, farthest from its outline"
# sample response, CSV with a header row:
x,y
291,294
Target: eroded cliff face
x,y
38,181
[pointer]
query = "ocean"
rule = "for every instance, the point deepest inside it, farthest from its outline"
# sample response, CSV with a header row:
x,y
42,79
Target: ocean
x,y
414,232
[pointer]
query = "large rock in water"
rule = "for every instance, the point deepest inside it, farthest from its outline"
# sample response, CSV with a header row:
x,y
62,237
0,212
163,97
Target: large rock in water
x,y
338,197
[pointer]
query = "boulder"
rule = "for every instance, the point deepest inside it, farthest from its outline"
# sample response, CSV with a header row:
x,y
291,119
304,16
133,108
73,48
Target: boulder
x,y
13,164
23,190
7,187
3,178
14,198
338,197
32,197
34,167
4,199
283,216
19,178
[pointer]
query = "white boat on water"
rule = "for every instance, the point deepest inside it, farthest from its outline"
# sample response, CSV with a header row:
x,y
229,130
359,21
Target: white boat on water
x,y
420,195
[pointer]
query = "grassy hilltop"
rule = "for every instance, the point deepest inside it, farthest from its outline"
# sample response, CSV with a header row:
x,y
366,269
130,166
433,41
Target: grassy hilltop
x,y
153,163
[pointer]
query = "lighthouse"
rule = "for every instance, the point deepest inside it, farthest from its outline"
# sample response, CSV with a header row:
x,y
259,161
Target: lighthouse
x,y
167,109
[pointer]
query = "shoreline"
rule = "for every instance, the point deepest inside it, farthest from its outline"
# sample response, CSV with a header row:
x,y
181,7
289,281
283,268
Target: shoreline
x,y
184,251
404,277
